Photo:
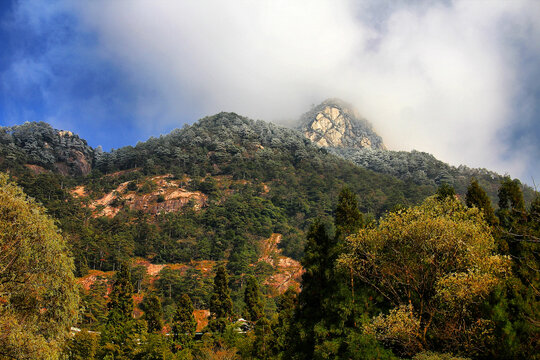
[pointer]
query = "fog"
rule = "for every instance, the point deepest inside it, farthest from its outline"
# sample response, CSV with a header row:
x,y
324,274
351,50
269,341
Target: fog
x,y
442,77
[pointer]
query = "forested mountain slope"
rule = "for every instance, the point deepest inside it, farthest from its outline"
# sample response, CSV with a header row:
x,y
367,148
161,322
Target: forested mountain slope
x,y
170,199
338,127
423,168
243,197
224,189
41,147
234,178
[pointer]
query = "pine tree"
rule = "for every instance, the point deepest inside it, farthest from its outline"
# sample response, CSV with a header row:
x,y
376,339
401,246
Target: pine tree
x,y
318,323
82,346
252,298
94,303
83,266
153,313
121,304
511,212
220,304
286,305
348,218
184,324
155,347
476,196
118,338
445,190
326,305
516,307
262,347
510,195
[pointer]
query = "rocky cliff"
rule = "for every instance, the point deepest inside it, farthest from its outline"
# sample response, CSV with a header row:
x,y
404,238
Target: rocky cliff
x,y
334,123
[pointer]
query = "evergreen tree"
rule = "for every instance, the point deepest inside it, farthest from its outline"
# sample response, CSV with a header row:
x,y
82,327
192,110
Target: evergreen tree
x,y
94,305
83,266
286,305
444,191
326,305
155,348
121,304
82,346
262,347
118,338
516,306
348,218
220,304
510,195
252,298
320,317
153,313
476,196
358,298
512,215
184,324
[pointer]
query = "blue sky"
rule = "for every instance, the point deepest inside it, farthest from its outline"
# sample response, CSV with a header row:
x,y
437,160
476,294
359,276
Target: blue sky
x,y
459,79
52,71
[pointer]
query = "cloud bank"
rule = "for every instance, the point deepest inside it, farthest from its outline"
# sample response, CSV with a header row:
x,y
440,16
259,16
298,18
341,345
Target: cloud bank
x,y
455,79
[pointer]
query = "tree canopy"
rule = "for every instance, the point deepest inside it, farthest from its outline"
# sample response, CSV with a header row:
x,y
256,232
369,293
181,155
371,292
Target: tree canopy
x,y
434,264
38,293
221,304
476,196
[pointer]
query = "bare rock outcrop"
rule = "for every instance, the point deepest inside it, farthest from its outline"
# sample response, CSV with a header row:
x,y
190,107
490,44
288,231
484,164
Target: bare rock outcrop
x,y
288,271
334,123
167,197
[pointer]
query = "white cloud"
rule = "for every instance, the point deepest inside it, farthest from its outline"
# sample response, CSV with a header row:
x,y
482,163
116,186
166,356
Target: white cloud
x,y
438,77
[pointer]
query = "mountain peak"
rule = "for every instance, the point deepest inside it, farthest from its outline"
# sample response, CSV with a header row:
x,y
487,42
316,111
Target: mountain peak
x,y
335,123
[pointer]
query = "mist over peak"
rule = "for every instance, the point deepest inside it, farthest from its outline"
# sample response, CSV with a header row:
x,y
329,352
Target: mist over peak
x,y
454,79
335,123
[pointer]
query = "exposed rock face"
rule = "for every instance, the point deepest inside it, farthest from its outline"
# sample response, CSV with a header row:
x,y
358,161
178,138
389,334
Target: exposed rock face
x,y
288,271
173,198
334,123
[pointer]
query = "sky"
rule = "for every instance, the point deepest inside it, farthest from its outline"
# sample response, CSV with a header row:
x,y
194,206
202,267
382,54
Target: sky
x,y
458,79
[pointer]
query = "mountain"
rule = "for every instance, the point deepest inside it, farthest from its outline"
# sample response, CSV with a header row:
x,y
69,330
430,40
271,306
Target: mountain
x,y
423,168
171,199
334,123
337,127
226,190
40,147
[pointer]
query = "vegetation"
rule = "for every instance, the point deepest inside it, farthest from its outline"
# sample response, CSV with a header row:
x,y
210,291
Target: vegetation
x,y
423,168
394,264
153,313
434,265
221,303
40,144
38,294
252,298
477,197
184,324
119,334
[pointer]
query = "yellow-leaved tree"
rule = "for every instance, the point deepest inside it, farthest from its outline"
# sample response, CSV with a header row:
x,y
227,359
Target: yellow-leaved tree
x,y
435,265
38,293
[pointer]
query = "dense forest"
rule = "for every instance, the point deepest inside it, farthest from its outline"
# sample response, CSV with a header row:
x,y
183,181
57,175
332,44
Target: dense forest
x,y
166,250
423,168
237,163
